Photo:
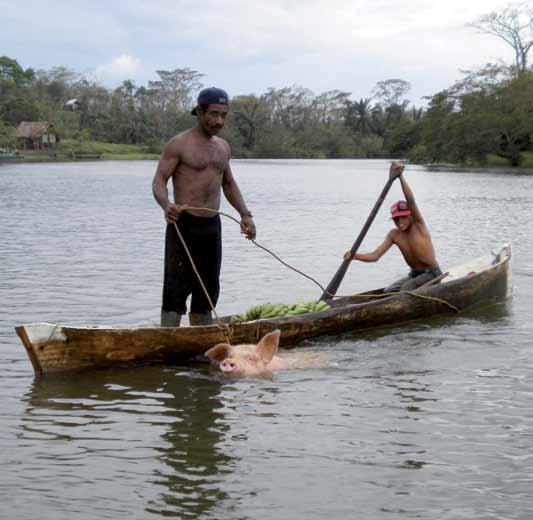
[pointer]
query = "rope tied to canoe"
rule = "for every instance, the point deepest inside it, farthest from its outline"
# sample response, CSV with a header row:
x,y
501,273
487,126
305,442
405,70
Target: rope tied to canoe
x,y
227,329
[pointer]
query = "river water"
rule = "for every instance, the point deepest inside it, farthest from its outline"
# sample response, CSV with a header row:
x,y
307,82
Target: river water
x,y
430,419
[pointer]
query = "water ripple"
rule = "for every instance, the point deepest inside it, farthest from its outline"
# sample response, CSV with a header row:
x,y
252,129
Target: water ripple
x,y
424,420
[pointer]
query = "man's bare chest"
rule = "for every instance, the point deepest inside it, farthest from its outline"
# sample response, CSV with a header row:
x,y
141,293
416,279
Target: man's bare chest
x,y
208,156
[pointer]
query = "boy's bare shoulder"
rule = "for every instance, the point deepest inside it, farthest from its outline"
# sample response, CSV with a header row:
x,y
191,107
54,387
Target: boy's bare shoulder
x,y
393,234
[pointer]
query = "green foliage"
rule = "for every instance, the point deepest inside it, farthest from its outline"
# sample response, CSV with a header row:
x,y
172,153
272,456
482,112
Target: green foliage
x,y
11,71
391,91
403,138
368,147
16,103
17,109
358,117
67,124
488,114
527,161
7,137
249,114
467,125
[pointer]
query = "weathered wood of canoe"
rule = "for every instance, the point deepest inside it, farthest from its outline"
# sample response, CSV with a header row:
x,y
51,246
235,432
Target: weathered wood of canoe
x,y
55,348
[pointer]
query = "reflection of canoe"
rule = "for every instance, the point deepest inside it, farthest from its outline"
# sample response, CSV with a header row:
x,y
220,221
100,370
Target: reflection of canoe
x,y
55,348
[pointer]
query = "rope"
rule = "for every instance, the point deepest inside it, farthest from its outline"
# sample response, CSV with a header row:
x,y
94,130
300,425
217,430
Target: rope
x,y
227,330
375,295
266,249
410,293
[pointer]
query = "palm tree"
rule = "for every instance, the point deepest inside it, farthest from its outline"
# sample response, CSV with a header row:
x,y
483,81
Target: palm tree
x,y
358,116
378,120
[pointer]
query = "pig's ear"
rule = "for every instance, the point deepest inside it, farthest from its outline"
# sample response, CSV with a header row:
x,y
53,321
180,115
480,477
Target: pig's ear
x,y
268,346
219,352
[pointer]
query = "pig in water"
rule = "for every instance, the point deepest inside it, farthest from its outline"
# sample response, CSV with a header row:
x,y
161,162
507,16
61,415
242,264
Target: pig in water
x,y
249,360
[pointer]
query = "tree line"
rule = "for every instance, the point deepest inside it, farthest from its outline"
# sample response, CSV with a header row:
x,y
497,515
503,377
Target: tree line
x,y
488,111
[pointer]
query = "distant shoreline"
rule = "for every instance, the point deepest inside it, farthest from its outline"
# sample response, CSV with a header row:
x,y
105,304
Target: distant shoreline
x,y
93,151
61,158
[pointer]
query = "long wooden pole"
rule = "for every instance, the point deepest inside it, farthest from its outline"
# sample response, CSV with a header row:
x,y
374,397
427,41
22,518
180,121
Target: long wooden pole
x,y
333,286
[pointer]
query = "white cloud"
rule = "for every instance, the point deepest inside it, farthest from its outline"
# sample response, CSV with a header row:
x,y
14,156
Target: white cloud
x,y
120,68
251,46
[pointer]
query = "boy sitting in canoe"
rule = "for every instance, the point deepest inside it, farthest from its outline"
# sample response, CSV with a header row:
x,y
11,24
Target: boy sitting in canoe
x,y
412,238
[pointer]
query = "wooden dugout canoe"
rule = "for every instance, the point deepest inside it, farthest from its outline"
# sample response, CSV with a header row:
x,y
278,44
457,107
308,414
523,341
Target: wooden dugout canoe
x,y
56,348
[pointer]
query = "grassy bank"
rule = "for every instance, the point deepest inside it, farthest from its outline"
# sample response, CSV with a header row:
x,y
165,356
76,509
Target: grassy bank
x,y
110,150
70,150
495,161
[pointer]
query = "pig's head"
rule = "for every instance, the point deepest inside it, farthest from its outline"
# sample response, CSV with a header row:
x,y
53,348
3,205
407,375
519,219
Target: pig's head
x,y
246,360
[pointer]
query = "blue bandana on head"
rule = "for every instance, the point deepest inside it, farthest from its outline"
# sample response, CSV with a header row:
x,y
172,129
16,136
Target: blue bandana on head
x,y
211,96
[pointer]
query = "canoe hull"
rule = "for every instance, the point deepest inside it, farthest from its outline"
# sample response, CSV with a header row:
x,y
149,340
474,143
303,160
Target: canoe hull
x,y
54,348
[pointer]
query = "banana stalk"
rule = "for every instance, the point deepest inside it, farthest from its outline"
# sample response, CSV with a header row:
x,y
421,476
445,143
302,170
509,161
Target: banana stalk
x,y
278,310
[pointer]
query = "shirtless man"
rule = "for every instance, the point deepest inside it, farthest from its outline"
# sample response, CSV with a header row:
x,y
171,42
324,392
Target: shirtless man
x,y
198,163
412,238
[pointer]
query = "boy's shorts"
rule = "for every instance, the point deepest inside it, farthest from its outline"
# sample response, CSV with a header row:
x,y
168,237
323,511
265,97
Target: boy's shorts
x,y
413,280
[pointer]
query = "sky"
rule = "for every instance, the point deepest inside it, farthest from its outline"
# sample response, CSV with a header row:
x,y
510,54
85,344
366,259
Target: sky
x,y
247,46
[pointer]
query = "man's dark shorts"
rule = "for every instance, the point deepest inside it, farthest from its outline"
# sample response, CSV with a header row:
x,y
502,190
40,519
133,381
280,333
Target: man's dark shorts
x,y
413,280
204,240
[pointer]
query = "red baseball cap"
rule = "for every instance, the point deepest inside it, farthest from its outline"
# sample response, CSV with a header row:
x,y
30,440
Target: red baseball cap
x,y
400,209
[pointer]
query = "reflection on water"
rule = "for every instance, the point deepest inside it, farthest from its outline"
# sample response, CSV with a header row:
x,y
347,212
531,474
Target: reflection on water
x,y
429,419
495,314
106,429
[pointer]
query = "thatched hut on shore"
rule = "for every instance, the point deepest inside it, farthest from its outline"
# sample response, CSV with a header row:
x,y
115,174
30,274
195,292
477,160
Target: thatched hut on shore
x,y
36,135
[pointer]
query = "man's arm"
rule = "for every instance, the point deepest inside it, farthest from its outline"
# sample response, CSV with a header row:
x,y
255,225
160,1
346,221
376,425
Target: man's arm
x,y
376,254
167,165
234,196
411,202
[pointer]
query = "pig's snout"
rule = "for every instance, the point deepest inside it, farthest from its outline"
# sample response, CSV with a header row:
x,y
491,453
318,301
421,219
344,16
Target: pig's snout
x,y
227,366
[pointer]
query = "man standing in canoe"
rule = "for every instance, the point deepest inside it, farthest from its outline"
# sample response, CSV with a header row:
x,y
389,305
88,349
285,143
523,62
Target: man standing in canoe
x,y
412,237
198,163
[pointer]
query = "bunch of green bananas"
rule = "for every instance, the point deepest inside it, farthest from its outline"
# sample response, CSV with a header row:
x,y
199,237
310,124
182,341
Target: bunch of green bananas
x,y
278,310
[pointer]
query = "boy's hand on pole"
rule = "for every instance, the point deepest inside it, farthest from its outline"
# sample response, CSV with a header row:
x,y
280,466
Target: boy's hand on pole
x,y
396,169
